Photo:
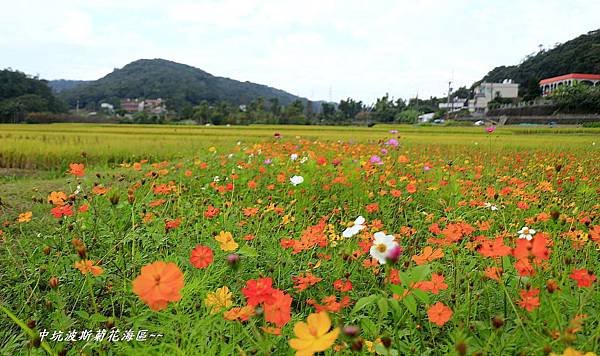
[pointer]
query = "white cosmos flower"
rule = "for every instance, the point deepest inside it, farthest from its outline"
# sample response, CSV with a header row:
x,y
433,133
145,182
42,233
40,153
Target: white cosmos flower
x,y
355,228
295,180
526,233
491,206
382,246
294,156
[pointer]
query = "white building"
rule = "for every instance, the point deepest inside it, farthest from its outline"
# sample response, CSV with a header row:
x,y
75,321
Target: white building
x,y
486,92
426,117
456,104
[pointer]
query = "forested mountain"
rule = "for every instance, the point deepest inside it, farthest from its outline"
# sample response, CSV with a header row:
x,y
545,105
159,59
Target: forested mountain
x,y
60,85
579,55
181,85
20,94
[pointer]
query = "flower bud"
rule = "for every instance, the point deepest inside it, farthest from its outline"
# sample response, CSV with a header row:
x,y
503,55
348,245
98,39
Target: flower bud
x,y
351,330
53,282
233,259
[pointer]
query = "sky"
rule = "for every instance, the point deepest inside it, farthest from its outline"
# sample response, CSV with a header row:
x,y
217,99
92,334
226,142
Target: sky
x,y
319,49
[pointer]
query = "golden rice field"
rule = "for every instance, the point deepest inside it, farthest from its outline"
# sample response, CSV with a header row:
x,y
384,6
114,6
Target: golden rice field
x,y
282,240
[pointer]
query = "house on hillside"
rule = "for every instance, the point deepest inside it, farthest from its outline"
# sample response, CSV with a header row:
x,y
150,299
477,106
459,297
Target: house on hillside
x,y
548,85
153,106
486,92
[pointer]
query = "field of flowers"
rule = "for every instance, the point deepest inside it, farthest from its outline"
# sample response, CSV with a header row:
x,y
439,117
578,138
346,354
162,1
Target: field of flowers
x,y
272,240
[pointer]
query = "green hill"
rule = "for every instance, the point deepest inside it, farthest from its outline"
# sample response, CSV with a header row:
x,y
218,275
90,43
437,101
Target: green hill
x,y
579,55
181,85
21,94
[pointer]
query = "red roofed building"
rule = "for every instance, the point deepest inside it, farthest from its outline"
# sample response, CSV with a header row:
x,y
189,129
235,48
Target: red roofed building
x,y
548,85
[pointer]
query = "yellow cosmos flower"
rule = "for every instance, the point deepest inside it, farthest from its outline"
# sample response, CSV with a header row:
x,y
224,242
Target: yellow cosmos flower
x,y
226,241
314,335
569,351
25,217
219,299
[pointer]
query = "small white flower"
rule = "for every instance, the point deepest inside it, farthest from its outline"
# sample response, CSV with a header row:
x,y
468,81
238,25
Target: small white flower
x,y
78,190
355,228
230,155
526,233
491,206
294,156
382,246
295,180
216,179
304,159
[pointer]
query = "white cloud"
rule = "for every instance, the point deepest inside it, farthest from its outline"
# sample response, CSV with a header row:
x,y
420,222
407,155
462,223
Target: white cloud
x,y
359,49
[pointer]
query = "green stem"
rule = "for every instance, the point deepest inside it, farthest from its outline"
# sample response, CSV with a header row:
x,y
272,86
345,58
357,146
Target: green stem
x,y
32,334
89,284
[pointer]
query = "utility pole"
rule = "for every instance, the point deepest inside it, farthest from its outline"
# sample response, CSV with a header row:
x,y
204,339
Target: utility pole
x,y
449,91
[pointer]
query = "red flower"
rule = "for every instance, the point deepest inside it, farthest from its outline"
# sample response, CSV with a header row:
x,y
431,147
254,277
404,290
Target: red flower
x,y
583,277
342,285
201,256
536,248
172,224
305,280
371,208
259,291
494,248
60,211
77,169
278,311
211,212
529,299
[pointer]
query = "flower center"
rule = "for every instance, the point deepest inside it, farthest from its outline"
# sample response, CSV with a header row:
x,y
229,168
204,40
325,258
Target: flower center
x,y
157,279
381,248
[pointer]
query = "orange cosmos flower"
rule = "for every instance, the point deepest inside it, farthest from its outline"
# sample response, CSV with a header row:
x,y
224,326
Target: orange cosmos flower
x,y
87,266
77,169
305,280
493,273
201,257
428,255
258,291
583,277
57,198
278,312
529,299
439,314
99,190
158,284
172,224
239,313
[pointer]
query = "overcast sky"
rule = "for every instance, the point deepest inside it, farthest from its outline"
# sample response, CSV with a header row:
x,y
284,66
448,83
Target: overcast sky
x,y
313,48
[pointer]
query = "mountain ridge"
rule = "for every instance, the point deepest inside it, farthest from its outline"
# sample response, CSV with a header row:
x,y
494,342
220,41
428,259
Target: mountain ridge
x,y
181,85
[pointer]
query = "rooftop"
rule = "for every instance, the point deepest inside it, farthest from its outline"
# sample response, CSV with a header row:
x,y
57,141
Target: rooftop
x,y
579,76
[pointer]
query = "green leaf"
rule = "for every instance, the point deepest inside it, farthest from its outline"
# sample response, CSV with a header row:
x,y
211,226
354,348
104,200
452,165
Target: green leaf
x,y
248,251
395,306
370,328
82,314
422,296
382,303
363,302
420,272
411,304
